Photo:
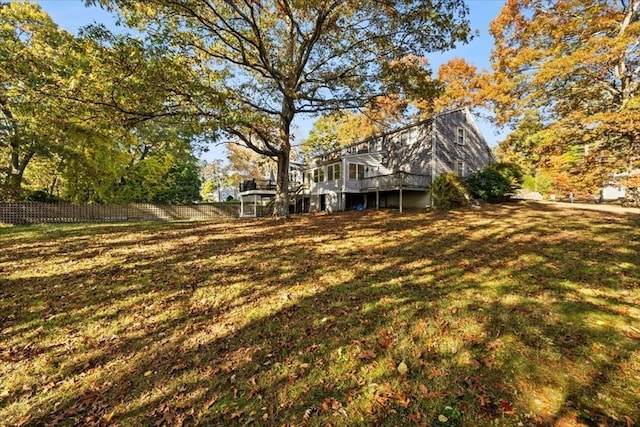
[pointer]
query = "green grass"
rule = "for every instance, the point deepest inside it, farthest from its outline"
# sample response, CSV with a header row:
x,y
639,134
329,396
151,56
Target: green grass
x,y
508,315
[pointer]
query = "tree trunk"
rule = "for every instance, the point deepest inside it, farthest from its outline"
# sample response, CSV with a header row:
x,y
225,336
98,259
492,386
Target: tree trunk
x,y
281,206
13,182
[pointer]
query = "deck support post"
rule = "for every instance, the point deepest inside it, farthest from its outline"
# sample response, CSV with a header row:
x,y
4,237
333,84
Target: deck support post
x,y
255,205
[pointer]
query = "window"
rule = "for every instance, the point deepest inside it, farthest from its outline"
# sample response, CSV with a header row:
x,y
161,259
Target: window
x,y
353,170
356,171
318,175
460,167
333,172
461,136
406,137
376,145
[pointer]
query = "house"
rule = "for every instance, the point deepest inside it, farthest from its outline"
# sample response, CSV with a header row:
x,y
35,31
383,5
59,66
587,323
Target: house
x,y
614,188
391,170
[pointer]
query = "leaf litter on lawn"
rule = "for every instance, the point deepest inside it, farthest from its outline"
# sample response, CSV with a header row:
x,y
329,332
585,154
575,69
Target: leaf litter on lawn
x,y
351,318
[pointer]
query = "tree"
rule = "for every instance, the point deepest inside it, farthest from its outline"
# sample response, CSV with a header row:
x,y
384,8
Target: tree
x,y
182,183
31,48
283,58
336,130
91,112
244,164
464,86
573,65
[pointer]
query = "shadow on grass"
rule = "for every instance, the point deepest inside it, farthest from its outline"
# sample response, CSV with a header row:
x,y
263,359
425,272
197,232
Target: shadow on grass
x,y
513,314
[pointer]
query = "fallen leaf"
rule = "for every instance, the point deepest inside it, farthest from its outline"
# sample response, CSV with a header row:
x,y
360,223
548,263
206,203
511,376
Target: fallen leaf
x,y
106,419
402,368
415,417
632,333
423,389
367,354
506,406
401,399
24,420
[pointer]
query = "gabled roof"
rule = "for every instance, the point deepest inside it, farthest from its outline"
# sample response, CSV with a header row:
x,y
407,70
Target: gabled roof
x,y
397,130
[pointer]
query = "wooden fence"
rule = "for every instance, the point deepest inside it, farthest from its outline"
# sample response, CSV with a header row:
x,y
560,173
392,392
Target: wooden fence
x,y
38,213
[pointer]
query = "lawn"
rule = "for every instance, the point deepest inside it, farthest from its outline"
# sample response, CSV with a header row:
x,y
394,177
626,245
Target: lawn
x,y
521,314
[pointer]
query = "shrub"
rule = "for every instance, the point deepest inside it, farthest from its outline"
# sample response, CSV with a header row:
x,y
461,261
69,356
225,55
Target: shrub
x,y
447,192
495,182
41,196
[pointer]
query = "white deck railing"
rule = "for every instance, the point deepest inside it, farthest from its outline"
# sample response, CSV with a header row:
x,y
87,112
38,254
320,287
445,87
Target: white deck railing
x,y
395,181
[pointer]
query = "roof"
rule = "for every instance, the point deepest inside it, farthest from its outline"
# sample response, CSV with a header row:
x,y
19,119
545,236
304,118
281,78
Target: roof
x,y
393,131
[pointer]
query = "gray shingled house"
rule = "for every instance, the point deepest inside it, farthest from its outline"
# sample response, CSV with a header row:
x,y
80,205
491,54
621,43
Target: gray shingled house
x,y
389,170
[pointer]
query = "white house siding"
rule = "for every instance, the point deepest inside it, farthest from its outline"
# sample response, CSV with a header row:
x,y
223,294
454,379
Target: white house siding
x,y
613,193
372,167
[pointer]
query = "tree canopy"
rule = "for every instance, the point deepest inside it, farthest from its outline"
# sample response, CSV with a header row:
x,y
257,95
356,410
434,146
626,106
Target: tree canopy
x,y
282,58
88,118
31,123
567,76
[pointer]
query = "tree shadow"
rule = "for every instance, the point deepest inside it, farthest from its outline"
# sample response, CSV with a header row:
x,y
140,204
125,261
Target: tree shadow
x,y
306,322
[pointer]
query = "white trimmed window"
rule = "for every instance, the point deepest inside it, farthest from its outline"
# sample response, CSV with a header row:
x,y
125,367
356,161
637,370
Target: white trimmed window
x,y
318,175
353,171
460,168
461,136
356,171
406,137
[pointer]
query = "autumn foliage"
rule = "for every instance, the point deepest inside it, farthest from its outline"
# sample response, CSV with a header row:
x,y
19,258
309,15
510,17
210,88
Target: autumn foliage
x,y
566,76
505,315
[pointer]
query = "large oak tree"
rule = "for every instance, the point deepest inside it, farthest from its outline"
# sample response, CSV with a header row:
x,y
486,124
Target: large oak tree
x,y
283,58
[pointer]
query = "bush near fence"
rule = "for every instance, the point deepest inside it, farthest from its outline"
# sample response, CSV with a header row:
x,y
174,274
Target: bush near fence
x,y
38,213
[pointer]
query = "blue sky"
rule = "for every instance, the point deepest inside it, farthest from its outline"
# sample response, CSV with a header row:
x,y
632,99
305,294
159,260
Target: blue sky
x,y
72,14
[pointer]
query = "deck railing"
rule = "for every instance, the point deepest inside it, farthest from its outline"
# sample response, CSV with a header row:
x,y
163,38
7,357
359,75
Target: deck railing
x,y
395,181
266,184
257,184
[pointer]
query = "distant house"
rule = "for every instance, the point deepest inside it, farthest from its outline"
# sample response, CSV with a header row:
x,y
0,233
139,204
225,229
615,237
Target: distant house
x,y
614,189
222,194
390,170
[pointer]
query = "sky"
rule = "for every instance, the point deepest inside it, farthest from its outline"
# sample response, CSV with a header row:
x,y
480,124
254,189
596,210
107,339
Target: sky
x,y
73,14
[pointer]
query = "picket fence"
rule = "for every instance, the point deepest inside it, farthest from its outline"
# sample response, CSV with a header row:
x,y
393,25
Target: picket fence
x,y
39,213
